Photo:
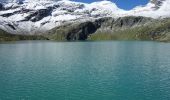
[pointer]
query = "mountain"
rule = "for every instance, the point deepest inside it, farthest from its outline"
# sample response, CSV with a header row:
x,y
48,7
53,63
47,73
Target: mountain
x,y
38,16
32,17
154,9
157,3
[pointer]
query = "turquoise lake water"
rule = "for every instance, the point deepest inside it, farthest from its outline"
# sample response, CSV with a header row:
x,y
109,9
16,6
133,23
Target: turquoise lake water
x,y
111,70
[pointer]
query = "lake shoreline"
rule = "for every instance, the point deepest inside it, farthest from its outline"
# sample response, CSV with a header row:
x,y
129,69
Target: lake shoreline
x,y
16,41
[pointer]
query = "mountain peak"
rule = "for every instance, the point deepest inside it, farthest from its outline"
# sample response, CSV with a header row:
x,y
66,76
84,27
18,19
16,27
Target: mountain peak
x,y
157,3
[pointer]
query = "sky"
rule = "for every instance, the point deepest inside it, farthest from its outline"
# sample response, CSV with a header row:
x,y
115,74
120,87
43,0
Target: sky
x,y
123,4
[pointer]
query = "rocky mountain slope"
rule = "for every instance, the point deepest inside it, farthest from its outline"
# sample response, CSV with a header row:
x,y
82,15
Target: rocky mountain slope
x,y
108,28
123,28
155,30
39,16
81,30
70,20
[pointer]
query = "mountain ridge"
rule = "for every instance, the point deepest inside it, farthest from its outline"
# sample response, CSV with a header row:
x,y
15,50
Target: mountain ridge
x,y
26,17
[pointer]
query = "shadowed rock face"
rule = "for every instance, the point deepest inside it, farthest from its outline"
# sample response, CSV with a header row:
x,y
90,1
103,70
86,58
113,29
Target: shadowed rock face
x,y
1,7
38,15
81,31
157,3
73,31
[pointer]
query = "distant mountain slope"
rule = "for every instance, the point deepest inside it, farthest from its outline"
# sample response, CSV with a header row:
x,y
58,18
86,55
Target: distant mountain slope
x,y
38,16
5,36
155,30
123,28
108,28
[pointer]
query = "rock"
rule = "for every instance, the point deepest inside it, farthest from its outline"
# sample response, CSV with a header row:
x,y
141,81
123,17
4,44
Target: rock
x,y
157,3
130,21
1,7
82,31
73,31
38,15
9,14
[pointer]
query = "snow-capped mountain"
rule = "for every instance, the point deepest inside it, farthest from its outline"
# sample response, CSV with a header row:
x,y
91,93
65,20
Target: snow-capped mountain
x,y
37,16
154,9
33,16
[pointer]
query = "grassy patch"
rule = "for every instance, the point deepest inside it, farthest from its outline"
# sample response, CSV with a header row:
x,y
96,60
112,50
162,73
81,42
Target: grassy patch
x,y
4,36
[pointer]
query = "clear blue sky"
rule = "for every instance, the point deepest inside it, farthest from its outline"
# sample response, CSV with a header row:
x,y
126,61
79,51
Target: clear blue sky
x,y
124,4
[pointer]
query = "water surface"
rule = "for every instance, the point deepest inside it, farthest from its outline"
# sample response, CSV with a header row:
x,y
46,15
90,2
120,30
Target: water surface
x,y
111,70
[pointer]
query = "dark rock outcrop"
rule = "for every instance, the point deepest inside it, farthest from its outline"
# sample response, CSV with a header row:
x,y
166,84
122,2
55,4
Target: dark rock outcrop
x,y
9,14
75,31
1,6
157,3
82,31
11,26
38,15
